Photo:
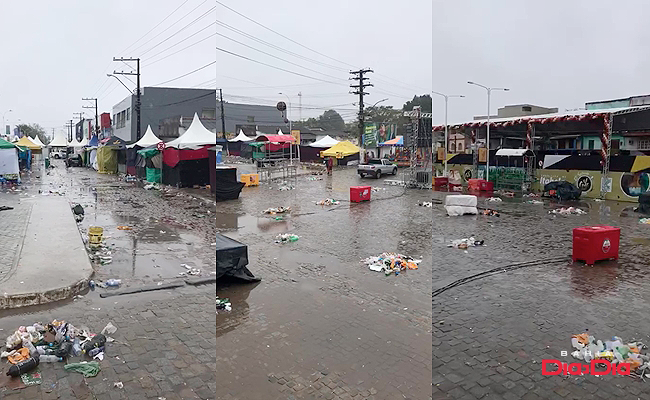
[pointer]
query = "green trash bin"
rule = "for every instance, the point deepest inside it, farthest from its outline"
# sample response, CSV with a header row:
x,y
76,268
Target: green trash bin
x,y
47,163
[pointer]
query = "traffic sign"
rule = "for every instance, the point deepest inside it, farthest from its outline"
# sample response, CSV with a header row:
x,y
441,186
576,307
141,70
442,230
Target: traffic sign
x,y
160,146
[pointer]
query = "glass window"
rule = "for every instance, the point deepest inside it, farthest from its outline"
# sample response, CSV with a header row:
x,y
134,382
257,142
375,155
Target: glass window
x,y
128,113
250,119
644,144
591,145
209,113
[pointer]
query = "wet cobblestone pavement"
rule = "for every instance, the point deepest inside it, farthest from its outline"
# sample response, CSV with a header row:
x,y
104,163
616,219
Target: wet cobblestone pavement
x,y
491,335
165,343
321,324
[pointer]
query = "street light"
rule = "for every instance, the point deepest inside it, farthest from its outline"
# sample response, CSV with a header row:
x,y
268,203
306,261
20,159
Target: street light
x,y
127,88
446,96
290,128
3,118
489,91
378,102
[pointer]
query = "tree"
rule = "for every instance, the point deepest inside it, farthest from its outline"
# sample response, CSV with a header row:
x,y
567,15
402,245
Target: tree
x,y
423,101
331,121
383,114
33,130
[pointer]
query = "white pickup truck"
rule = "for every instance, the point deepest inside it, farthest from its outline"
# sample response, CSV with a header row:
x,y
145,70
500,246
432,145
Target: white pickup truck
x,y
377,167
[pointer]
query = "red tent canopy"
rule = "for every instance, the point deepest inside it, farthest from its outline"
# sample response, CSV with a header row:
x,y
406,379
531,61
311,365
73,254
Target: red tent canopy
x,y
275,138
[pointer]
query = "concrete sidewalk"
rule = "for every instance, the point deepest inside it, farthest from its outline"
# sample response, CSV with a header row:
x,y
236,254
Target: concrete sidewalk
x,y
51,263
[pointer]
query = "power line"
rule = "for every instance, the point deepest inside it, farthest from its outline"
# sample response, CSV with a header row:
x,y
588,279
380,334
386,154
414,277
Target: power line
x,y
184,75
183,49
270,87
223,24
281,59
180,30
278,68
279,34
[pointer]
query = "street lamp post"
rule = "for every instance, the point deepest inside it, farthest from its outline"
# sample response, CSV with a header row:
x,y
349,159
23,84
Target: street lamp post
x,y
3,118
119,80
446,96
487,139
290,130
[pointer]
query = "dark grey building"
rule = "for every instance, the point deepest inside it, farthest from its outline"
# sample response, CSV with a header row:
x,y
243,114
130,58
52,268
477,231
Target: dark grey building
x,y
161,104
250,118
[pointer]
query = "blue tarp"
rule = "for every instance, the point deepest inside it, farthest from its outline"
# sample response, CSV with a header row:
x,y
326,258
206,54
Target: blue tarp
x,y
94,141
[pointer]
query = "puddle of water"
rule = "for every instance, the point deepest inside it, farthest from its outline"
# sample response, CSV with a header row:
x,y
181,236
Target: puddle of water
x,y
250,223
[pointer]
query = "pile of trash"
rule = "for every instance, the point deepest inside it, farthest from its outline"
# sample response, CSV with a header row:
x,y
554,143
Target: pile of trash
x,y
286,238
190,270
151,186
614,351
223,304
644,221
278,210
494,199
491,213
530,195
534,202
328,202
389,263
568,211
463,244
57,341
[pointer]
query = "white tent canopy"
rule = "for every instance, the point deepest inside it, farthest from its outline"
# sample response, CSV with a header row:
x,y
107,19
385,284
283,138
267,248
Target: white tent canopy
x,y
325,143
149,139
195,137
58,141
37,140
241,137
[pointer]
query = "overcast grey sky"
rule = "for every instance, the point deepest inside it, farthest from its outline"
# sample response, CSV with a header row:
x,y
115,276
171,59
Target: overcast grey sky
x,y
550,53
391,38
55,53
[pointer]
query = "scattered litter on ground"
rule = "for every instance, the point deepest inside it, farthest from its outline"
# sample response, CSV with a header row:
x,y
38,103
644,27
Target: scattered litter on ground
x,y
377,189
223,305
314,178
285,188
491,213
5,208
535,202
151,186
568,211
495,199
118,385
124,228
277,210
31,378
614,351
530,195
130,178
598,200
391,263
644,221
328,202
426,204
89,369
286,237
463,244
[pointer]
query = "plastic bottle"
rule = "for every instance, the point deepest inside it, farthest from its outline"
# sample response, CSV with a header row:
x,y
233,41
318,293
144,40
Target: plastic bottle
x,y
98,341
113,282
29,346
50,359
95,351
64,349
23,366
44,350
91,284
76,348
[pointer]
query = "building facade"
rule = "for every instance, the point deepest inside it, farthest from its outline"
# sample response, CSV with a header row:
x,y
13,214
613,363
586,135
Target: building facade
x,y
250,118
160,104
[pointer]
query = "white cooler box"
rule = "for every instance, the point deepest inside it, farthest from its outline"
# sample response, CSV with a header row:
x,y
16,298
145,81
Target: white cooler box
x,y
461,204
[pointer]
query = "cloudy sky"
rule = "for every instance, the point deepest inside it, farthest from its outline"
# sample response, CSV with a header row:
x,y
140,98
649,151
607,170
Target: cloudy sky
x,y
56,53
550,53
391,39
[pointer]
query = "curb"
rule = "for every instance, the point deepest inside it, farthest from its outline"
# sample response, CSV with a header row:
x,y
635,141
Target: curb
x,y
33,299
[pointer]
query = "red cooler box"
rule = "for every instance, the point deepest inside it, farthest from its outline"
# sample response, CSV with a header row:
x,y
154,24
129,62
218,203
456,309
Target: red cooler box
x,y
595,243
474,184
360,193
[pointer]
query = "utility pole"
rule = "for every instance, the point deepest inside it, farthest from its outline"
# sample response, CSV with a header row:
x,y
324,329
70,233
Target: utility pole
x,y
69,125
96,115
359,90
300,108
137,91
223,118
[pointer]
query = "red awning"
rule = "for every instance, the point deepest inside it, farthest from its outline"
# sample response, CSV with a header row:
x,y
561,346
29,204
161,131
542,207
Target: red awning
x,y
276,138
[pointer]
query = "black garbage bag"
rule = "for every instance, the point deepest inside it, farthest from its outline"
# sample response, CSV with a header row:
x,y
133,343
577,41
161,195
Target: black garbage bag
x,y
232,259
228,188
644,203
562,190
